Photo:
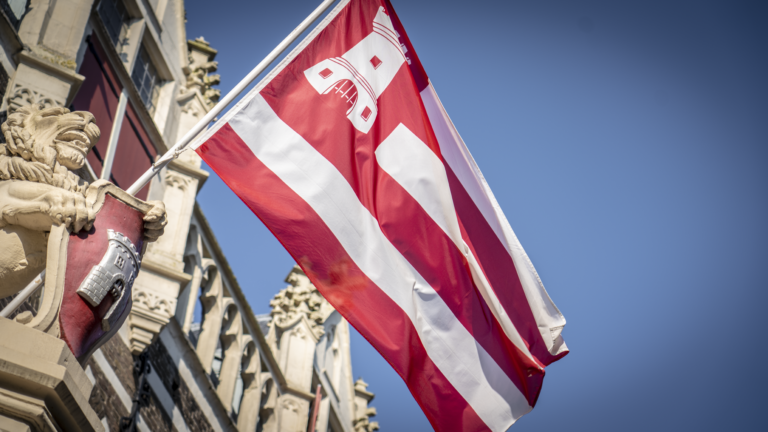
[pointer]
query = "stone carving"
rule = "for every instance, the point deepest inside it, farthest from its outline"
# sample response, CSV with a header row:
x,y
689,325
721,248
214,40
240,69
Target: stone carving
x,y
299,298
175,179
23,96
44,149
199,72
290,405
46,145
299,333
292,413
154,302
149,315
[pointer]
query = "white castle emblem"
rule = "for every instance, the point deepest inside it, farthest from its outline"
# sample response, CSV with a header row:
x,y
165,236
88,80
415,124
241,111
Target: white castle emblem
x,y
114,274
362,73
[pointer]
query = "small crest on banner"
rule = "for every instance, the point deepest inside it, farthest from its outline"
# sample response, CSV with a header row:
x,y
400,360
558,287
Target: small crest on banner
x,y
90,274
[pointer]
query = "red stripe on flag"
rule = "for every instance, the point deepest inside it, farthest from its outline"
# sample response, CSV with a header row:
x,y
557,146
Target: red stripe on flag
x,y
316,118
435,256
337,277
493,256
499,268
298,105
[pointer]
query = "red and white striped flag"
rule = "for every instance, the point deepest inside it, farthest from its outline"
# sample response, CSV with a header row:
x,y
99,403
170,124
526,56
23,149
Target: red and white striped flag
x,y
346,154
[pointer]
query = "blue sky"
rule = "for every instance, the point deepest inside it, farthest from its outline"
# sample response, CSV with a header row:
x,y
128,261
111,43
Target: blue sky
x,y
627,143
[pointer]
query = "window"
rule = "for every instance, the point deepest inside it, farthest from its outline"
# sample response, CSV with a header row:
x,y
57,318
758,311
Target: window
x,y
146,79
115,18
14,10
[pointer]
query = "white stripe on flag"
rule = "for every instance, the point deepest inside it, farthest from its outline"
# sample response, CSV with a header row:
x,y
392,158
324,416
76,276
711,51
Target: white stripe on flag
x,y
409,161
455,153
466,365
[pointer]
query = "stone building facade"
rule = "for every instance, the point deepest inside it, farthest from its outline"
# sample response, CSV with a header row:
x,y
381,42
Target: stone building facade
x,y
170,368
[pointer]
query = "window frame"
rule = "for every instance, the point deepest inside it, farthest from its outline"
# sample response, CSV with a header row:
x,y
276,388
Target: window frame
x,y
145,65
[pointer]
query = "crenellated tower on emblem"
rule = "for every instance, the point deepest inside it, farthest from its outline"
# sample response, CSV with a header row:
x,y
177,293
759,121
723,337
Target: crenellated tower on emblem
x,y
113,275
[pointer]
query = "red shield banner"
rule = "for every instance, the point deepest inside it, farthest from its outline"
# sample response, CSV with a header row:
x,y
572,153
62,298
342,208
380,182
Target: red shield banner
x,y
106,258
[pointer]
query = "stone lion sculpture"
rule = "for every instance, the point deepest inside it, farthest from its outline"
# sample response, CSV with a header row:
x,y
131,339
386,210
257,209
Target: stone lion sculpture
x,y
40,187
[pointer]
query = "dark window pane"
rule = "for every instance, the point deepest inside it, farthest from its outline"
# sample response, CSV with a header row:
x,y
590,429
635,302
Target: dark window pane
x,y
115,18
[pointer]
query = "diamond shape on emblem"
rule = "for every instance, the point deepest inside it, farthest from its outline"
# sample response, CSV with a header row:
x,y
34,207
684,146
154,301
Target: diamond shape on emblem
x,y
366,114
376,62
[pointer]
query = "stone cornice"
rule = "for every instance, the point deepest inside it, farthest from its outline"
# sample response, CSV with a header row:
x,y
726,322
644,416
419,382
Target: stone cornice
x,y
66,74
299,393
200,46
170,273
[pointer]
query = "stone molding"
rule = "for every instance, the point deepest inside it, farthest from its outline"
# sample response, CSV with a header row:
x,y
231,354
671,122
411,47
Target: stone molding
x,y
292,413
161,270
237,294
214,306
53,57
192,110
41,383
63,87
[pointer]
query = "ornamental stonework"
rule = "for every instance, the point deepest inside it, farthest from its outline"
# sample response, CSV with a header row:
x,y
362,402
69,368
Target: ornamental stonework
x,y
299,298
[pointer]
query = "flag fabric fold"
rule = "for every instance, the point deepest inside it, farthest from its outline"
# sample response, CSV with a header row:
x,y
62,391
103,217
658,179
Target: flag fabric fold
x,y
346,154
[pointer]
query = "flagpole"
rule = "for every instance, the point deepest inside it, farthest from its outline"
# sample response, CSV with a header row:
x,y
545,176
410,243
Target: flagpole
x,y
182,144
